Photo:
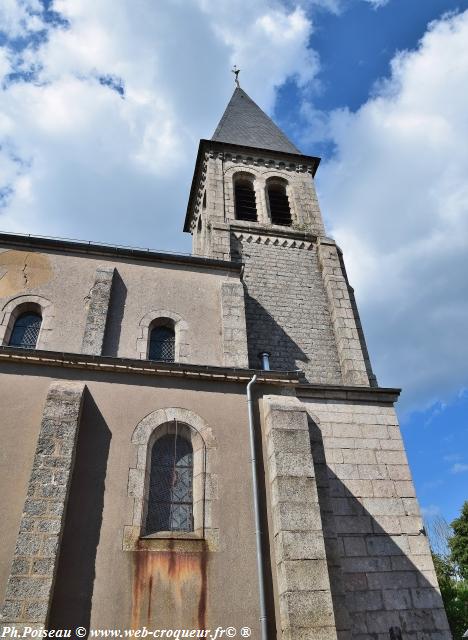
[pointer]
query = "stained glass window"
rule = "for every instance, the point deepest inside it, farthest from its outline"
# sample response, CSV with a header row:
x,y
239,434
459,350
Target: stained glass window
x,y
170,499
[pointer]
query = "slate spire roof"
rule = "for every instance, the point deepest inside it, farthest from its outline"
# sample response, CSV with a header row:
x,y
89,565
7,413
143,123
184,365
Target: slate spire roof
x,y
244,123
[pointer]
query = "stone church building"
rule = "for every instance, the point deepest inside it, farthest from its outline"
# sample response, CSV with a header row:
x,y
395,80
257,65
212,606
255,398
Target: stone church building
x,y
128,498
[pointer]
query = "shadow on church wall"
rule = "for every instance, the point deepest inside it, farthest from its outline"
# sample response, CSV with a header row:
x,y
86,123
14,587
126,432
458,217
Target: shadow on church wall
x,y
73,591
377,590
265,334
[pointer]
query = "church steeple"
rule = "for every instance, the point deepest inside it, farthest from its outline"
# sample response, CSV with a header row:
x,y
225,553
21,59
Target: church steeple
x,y
249,172
244,123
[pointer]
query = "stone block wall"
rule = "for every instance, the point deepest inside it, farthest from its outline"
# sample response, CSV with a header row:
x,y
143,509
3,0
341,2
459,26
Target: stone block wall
x,y
30,585
348,340
287,310
98,301
300,565
372,525
234,328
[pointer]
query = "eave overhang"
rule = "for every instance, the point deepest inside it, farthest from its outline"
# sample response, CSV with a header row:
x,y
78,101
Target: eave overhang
x,y
22,241
67,360
292,379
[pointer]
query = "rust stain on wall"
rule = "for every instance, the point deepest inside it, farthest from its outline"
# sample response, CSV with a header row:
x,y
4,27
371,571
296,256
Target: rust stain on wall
x,y
170,587
21,271
202,601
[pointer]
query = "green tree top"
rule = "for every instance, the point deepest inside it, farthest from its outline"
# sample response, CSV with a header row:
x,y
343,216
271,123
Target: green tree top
x,y
459,541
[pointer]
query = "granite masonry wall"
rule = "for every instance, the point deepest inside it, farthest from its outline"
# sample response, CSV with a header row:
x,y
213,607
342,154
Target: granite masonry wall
x,y
98,301
30,585
300,563
234,328
287,310
373,529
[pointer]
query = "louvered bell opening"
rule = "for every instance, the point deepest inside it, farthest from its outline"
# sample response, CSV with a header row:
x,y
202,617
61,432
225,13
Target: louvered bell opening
x,y
26,331
162,344
246,207
170,499
279,206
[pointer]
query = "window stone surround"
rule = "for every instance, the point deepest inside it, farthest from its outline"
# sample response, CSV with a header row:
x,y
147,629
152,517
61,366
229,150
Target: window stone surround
x,y
259,181
19,305
205,485
181,328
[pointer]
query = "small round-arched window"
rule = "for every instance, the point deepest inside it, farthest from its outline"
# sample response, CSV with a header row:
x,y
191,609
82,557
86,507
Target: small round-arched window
x,y
162,343
170,494
26,330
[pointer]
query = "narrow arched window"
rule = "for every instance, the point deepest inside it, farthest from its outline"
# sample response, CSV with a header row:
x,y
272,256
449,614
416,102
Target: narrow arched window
x,y
26,330
170,495
162,344
278,201
245,203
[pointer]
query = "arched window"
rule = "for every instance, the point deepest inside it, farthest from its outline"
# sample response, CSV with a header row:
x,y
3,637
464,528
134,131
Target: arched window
x,y
162,344
278,201
26,330
244,197
170,494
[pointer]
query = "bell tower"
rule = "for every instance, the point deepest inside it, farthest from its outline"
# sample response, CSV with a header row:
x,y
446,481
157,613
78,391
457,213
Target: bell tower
x,y
253,200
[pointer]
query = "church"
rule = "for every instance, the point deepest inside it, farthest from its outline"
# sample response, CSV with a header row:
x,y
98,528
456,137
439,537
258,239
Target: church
x,y
199,442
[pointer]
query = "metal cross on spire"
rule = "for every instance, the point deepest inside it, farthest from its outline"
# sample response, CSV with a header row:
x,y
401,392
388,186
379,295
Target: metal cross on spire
x,y
236,72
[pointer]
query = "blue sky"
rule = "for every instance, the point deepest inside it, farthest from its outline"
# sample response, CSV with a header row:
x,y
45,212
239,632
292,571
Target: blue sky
x,y
356,46
103,104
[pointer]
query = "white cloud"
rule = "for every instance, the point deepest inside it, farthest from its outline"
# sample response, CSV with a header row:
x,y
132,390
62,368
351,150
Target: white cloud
x,y
20,18
339,6
430,511
459,468
77,159
396,197
377,4
253,35
451,457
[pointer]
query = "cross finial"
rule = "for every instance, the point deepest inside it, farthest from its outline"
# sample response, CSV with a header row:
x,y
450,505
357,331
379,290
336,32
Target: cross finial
x,y
236,72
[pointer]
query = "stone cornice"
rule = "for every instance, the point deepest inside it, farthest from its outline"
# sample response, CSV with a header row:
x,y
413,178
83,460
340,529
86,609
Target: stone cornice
x,y
287,160
284,236
143,367
290,379
339,393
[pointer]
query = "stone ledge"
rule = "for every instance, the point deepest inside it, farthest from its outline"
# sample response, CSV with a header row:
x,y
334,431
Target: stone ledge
x,y
336,393
128,365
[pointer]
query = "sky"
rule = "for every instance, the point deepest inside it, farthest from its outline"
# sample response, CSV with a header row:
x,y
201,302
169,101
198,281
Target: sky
x,y
102,106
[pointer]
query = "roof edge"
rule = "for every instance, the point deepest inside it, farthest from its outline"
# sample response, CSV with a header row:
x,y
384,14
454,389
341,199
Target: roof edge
x,y
94,248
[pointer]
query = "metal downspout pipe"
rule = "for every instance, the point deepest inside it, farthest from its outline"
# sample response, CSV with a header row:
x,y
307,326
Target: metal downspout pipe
x,y
258,528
